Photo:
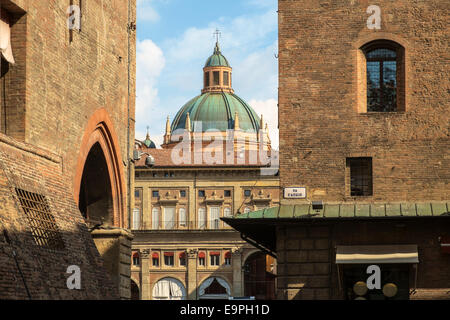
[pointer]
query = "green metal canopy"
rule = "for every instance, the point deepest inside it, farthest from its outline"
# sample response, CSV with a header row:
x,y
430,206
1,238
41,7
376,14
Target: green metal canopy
x,y
259,227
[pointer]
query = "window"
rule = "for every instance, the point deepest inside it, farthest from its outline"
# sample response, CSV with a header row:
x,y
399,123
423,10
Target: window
x,y
227,193
183,193
182,217
201,259
201,193
360,176
182,259
216,78
155,259
42,223
215,258
227,212
201,218
225,78
214,214
168,259
136,261
384,83
155,218
228,258
169,218
137,194
247,193
136,219
381,80
206,79
155,193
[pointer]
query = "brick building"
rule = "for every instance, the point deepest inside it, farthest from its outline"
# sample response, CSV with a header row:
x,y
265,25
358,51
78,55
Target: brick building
x,y
67,108
183,189
363,119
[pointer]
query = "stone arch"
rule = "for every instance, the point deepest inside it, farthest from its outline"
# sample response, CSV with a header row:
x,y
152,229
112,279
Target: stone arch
x,y
99,135
160,289
135,291
257,281
214,281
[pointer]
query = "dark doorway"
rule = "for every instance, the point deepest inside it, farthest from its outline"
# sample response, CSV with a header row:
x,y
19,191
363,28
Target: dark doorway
x,y
259,277
134,291
96,203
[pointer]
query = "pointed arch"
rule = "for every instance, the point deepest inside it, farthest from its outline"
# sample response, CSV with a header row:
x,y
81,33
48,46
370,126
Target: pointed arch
x,y
100,132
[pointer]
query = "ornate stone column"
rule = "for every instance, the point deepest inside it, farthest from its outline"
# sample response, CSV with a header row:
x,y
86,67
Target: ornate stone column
x,y
145,277
192,274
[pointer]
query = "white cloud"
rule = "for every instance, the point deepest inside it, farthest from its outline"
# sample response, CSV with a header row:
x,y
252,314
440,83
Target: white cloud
x,y
146,12
150,63
269,109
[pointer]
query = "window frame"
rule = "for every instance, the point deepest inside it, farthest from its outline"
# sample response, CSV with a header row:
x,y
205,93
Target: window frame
x,y
351,166
361,73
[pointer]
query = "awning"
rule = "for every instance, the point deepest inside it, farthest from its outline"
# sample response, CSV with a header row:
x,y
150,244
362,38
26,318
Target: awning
x,y
377,254
228,254
201,255
182,255
168,254
155,255
214,253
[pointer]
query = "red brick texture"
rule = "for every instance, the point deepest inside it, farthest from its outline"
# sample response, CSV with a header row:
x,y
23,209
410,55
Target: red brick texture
x,y
318,100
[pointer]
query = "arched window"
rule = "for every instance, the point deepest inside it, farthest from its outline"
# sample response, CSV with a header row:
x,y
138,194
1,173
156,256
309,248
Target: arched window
x,y
155,218
384,76
169,289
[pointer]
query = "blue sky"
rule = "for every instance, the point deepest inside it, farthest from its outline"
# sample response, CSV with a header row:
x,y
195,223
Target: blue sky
x,y
175,37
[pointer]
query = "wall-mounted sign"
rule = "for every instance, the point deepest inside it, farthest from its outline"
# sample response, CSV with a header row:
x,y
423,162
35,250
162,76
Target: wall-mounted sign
x,y
295,193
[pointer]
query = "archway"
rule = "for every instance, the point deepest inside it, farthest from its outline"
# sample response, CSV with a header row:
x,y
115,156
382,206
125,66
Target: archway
x,y
259,279
100,149
95,202
134,290
214,288
169,289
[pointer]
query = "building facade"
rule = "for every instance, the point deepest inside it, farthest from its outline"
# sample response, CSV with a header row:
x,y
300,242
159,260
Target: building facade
x,y
204,171
67,134
363,117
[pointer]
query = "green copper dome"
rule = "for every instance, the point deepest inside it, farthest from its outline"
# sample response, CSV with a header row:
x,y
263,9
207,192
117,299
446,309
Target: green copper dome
x,y
217,59
150,144
216,111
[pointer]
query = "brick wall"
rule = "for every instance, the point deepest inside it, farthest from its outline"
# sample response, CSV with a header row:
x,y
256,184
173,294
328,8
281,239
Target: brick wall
x,y
318,100
54,89
44,270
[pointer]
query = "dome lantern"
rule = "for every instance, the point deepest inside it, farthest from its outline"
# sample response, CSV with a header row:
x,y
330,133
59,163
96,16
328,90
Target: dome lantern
x,y
217,73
